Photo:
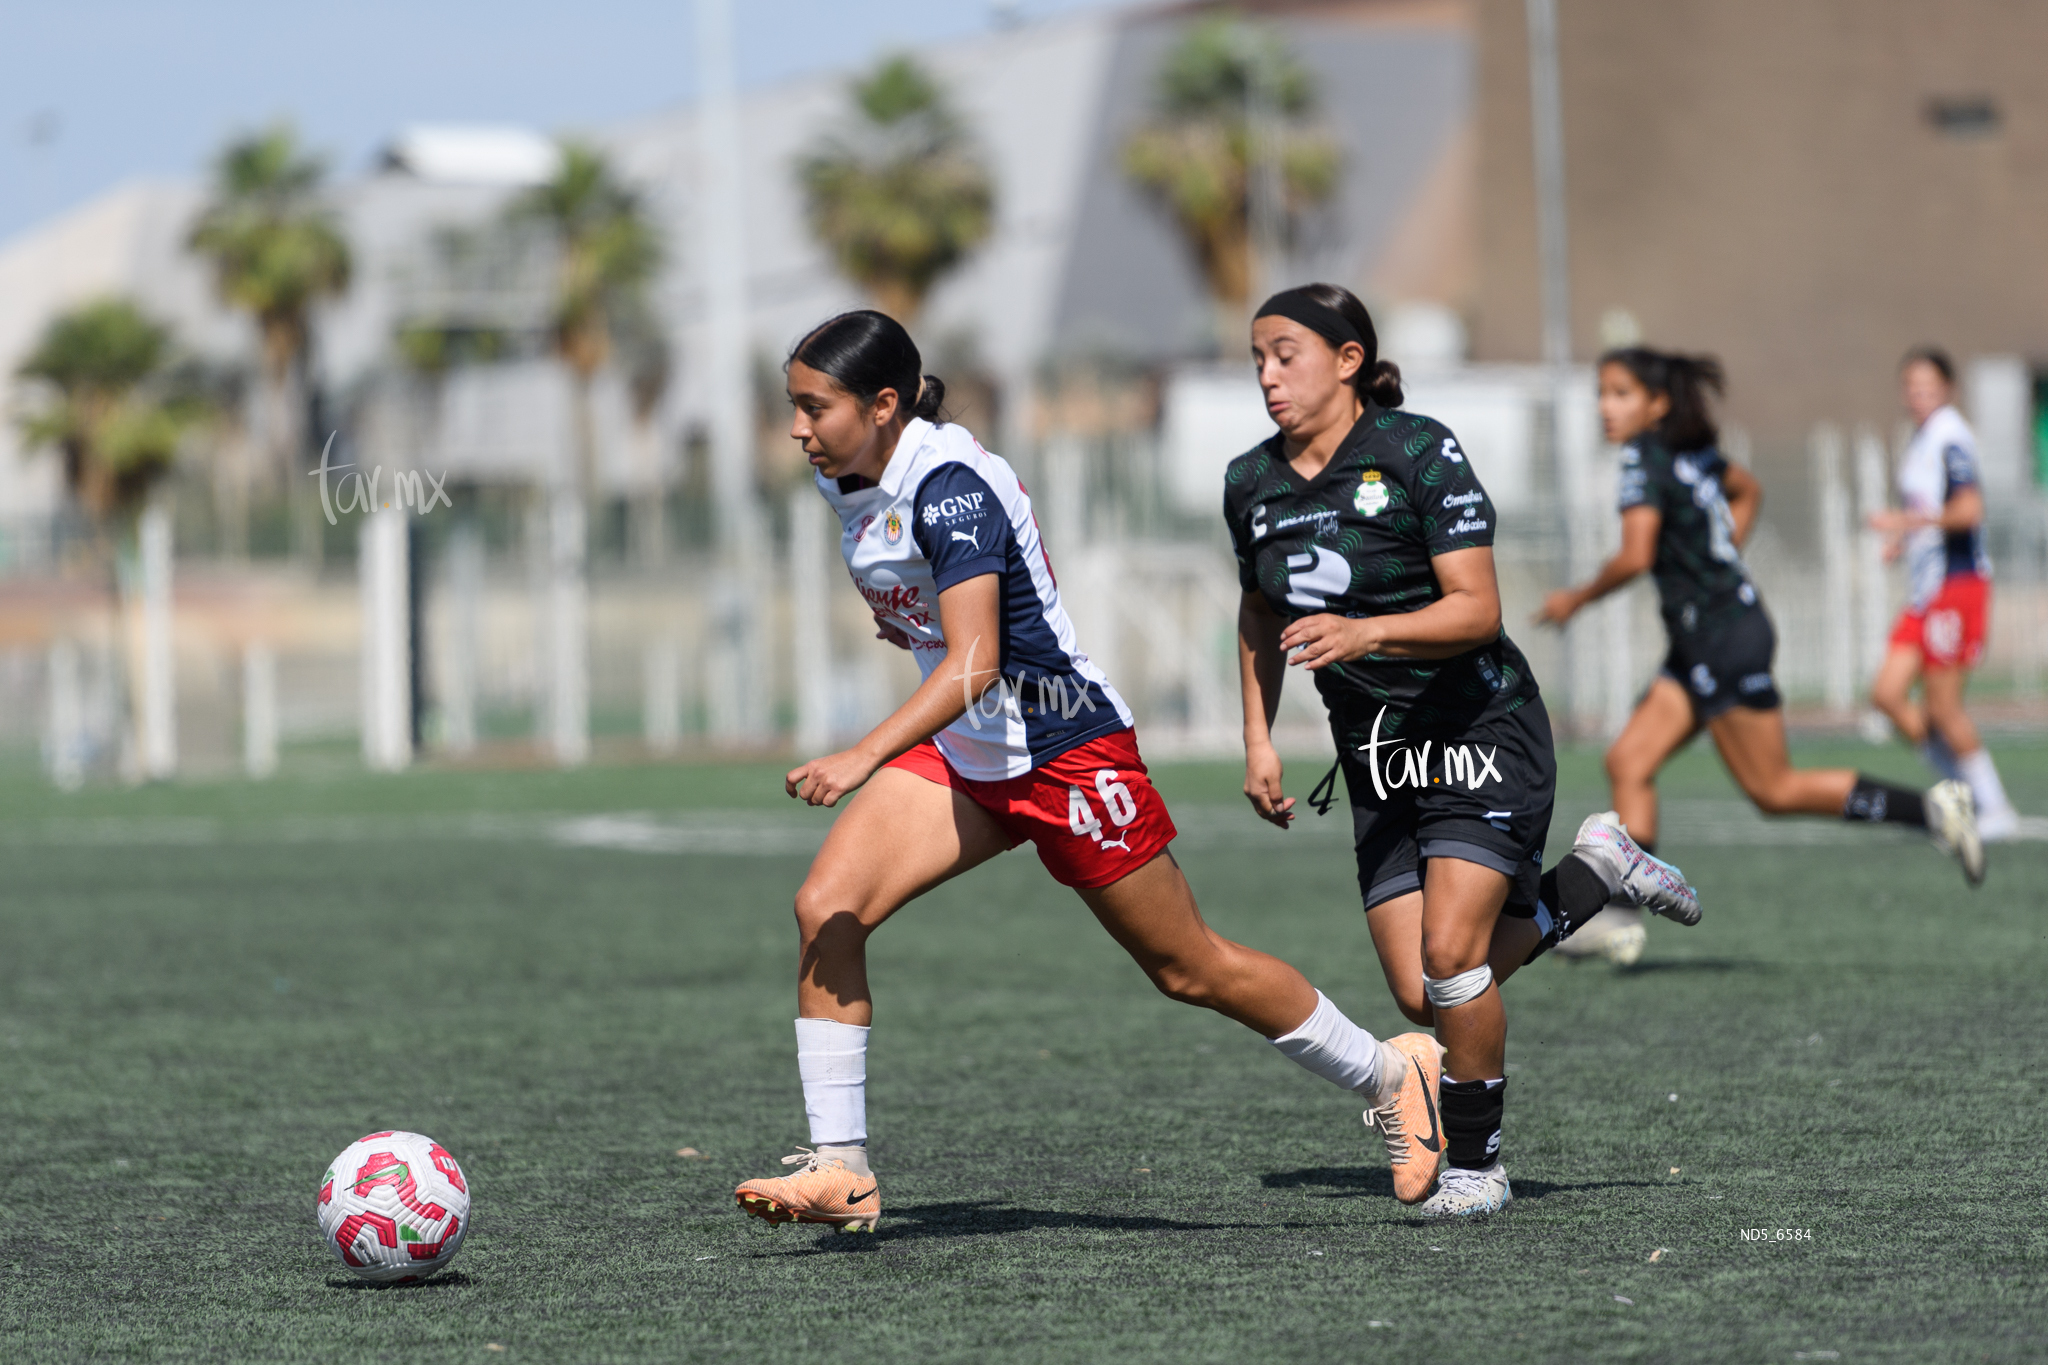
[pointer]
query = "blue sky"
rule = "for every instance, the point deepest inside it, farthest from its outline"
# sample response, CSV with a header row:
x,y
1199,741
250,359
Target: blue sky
x,y
93,92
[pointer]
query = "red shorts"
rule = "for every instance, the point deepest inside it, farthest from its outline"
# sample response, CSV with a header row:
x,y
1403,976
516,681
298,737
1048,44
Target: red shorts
x,y
1950,630
1093,812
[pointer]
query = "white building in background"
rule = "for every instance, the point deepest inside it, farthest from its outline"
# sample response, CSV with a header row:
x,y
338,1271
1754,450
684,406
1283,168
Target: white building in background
x,y
1078,267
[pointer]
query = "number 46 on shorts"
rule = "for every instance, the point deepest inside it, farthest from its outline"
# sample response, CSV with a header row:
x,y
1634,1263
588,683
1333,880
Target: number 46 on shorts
x,y
1116,799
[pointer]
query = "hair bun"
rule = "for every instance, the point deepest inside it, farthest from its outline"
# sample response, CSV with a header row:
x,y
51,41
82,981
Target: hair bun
x,y
931,397
1385,386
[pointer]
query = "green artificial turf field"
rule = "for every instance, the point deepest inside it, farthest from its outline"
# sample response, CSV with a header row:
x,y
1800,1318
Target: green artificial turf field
x,y
207,991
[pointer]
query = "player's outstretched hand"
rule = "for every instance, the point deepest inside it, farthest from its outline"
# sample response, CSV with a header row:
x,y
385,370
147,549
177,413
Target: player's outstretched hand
x,y
823,781
1262,772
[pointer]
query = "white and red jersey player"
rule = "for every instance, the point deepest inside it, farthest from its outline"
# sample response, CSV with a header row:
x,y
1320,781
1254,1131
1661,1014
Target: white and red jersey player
x,y
946,511
1948,573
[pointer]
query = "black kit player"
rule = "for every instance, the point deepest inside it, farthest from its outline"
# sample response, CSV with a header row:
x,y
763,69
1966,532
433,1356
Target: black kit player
x,y
1685,513
1364,544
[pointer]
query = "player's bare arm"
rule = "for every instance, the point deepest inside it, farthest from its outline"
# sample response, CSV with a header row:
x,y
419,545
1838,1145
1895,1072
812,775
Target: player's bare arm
x,y
1639,527
1466,616
1964,511
1262,669
968,616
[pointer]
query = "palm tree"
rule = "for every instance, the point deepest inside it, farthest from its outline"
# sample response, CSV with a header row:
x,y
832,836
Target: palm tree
x,y
104,396
903,196
606,251
107,406
277,252
1194,157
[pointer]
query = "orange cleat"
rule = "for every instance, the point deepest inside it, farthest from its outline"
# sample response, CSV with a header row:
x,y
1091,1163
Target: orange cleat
x,y
824,1191
1404,1110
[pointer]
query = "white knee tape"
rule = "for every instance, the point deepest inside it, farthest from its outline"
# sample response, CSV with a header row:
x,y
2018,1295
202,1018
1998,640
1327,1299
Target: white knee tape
x,y
1450,991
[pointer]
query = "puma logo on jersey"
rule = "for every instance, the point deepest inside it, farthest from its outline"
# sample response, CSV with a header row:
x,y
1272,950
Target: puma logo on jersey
x,y
971,537
1122,841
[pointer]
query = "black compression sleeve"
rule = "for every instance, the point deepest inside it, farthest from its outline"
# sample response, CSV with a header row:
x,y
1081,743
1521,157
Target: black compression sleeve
x,y
1874,802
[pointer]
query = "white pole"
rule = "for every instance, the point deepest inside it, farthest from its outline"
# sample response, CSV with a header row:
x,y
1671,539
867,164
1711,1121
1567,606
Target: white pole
x,y
1546,125
1590,523
259,710
661,694
1546,118
1873,602
466,584
1062,515
159,718
387,679
810,618
1838,639
740,712
568,659
64,745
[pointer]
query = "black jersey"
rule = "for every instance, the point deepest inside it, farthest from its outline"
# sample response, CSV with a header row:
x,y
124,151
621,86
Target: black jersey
x,y
1700,577
1357,541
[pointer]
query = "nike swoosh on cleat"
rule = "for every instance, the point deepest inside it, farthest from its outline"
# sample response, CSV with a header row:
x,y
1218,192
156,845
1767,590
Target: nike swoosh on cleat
x,y
856,1198
1432,1143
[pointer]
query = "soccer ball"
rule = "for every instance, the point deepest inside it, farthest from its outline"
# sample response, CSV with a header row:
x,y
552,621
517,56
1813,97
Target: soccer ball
x,y
394,1207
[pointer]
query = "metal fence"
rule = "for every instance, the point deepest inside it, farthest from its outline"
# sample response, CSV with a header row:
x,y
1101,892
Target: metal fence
x,y
269,653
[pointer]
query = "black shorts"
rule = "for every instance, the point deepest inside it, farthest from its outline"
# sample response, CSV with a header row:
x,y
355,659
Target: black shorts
x,y
1726,665
1483,796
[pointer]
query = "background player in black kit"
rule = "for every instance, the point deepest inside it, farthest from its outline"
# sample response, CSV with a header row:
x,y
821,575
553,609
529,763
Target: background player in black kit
x,y
1364,544
1685,513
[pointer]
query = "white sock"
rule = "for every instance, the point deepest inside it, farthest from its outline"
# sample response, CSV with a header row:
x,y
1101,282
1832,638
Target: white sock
x,y
832,1058
1334,1048
1981,773
1934,749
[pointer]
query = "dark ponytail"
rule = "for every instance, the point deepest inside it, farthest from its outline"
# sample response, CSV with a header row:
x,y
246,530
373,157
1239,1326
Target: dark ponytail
x,y
865,352
1335,314
1686,381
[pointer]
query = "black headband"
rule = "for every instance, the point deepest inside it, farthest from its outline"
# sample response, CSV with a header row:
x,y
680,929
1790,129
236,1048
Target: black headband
x,y
1298,305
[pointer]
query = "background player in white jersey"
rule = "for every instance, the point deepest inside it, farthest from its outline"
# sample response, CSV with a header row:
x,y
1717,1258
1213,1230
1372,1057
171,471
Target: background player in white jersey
x,y
1364,543
1013,735
1686,513
1939,531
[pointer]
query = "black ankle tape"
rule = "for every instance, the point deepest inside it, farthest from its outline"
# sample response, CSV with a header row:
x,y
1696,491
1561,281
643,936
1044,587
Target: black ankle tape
x,y
1874,802
1472,1118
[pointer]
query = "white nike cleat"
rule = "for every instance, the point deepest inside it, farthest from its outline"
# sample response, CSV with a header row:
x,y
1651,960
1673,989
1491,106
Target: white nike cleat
x,y
1616,934
1461,1193
1646,881
1952,823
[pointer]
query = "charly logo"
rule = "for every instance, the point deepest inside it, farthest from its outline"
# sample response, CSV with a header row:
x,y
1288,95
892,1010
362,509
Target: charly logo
x,y
1408,765
892,528
1372,496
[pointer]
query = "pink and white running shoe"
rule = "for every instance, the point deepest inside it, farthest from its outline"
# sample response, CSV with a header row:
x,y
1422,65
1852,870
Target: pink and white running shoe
x,y
1645,880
